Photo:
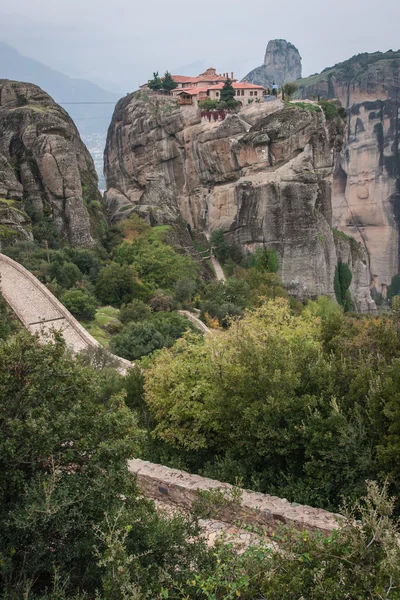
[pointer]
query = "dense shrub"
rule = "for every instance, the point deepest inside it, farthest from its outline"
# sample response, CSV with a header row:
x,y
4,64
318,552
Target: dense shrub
x,y
302,406
265,260
66,497
67,274
79,304
140,338
136,310
115,284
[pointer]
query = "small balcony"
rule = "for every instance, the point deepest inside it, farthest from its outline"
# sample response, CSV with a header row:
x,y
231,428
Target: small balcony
x,y
185,101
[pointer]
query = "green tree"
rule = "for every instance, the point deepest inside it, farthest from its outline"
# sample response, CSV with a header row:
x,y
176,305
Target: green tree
x,y
289,88
136,310
168,84
341,283
155,83
227,92
67,274
184,290
64,445
221,247
8,324
140,338
157,264
116,284
208,104
80,304
265,260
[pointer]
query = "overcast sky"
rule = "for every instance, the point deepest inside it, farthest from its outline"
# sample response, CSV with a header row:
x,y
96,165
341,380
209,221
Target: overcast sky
x,y
123,41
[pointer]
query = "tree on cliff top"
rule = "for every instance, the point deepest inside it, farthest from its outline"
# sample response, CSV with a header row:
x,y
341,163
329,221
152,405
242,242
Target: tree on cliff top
x,y
227,92
290,88
155,83
168,83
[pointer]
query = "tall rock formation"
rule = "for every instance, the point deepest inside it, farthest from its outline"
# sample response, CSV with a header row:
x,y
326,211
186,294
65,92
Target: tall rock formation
x,y
262,175
46,171
366,199
282,63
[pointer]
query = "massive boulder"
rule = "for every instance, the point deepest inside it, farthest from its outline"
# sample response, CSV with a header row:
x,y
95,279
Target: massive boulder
x,y
282,63
366,190
262,175
45,169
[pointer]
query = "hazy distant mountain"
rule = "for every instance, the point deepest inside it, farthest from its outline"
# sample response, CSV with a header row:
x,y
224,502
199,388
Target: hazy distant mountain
x,y
62,88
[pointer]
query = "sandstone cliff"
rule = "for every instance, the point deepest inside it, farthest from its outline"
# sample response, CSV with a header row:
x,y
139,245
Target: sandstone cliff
x,y
366,198
45,169
282,63
263,175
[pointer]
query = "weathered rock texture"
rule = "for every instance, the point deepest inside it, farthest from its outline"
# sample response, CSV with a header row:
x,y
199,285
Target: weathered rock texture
x,y
366,198
282,63
45,169
263,175
269,512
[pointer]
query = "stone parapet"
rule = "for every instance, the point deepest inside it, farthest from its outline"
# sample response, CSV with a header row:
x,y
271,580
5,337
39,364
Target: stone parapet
x,y
261,510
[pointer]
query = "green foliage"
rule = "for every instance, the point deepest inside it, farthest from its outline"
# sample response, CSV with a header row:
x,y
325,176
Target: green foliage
x,y
394,287
228,94
80,304
168,84
303,406
330,109
289,88
8,324
157,264
265,260
136,310
69,510
356,561
208,104
184,290
341,283
140,338
67,274
115,284
155,83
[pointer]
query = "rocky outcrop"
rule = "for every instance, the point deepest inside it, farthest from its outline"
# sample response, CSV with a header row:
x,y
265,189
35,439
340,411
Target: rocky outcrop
x,y
282,63
366,190
45,169
262,175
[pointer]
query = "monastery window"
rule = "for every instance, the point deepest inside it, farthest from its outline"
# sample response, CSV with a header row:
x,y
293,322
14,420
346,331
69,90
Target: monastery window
x,y
242,92
217,93
255,93
251,93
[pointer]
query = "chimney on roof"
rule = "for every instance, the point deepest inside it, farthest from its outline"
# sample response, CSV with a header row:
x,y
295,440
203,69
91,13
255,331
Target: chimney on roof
x,y
232,75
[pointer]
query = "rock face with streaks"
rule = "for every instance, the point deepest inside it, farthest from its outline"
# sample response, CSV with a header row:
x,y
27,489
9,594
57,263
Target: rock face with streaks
x,y
282,63
366,189
263,175
45,169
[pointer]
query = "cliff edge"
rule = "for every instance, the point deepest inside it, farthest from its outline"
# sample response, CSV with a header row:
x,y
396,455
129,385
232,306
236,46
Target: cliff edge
x,y
366,186
262,175
47,176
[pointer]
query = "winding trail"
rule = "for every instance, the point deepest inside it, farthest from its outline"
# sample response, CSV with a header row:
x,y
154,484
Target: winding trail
x,y
196,321
40,311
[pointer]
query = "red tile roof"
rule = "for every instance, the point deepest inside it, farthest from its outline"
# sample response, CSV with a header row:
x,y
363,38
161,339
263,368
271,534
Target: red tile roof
x,y
239,86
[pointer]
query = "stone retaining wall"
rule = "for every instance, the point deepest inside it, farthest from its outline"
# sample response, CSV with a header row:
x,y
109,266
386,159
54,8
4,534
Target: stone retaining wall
x,y
181,489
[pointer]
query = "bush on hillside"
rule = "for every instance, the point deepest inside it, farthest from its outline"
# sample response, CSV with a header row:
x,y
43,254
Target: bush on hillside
x,y
80,304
